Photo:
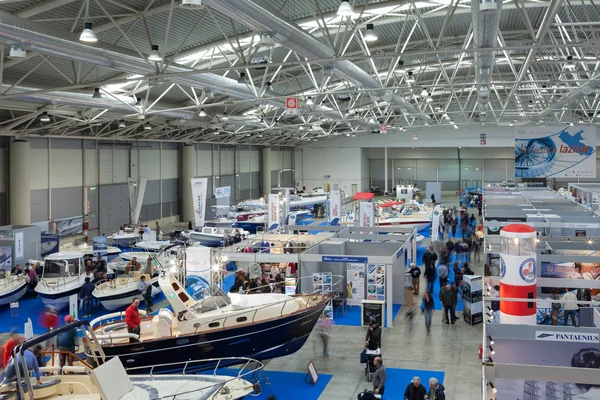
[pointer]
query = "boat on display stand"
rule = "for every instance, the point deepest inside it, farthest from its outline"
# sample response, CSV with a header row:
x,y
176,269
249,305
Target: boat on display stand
x,y
152,245
120,291
258,325
125,239
12,287
252,224
99,378
408,215
119,264
87,250
62,275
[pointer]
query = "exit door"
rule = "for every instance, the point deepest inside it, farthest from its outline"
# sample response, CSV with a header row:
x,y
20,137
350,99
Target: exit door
x,y
354,189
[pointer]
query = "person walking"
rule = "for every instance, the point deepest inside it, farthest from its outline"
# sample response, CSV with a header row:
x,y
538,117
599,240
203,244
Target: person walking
x,y
373,339
436,390
324,330
453,225
13,341
555,307
433,198
145,289
66,343
447,300
31,362
427,306
454,290
87,299
379,376
443,273
415,273
458,275
132,319
570,308
414,390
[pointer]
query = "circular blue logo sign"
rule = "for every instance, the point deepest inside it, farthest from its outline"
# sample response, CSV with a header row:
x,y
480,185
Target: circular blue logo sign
x,y
527,270
502,268
494,228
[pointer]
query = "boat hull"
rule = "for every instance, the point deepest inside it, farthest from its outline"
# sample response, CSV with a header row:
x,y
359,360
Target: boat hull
x,y
264,340
249,226
59,298
406,224
13,294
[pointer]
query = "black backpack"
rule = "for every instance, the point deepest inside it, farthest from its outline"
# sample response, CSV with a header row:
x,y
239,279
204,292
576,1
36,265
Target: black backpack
x,y
366,395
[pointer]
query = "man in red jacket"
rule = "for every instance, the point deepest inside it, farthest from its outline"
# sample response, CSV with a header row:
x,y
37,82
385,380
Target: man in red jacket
x,y
132,318
10,344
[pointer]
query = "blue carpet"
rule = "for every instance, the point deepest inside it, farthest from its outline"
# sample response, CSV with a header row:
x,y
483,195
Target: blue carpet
x,y
352,317
32,307
287,385
398,379
315,232
307,221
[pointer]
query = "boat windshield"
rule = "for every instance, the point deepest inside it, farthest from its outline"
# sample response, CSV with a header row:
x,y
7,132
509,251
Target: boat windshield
x,y
212,298
60,268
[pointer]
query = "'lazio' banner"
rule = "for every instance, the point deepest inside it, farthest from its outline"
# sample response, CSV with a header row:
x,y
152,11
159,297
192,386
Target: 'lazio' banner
x,y
552,152
199,186
366,214
274,211
335,207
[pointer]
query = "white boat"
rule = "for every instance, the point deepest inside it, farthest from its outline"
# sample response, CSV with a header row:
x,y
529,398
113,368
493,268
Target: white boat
x,y
209,237
88,250
109,380
62,275
296,201
152,245
411,216
125,239
119,264
48,246
318,191
12,287
120,292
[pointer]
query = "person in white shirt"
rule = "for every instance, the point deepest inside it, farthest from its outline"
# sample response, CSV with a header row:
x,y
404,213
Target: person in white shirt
x,y
570,308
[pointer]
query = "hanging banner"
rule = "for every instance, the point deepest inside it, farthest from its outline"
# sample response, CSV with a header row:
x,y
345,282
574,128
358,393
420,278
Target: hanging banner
x,y
19,245
197,270
435,224
376,282
335,207
366,214
274,211
542,152
199,187
131,185
224,191
136,198
100,245
355,283
68,226
49,243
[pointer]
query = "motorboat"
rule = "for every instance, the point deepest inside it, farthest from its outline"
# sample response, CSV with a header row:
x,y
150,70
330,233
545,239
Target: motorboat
x,y
87,250
296,202
411,216
12,287
296,217
243,215
100,379
258,325
62,275
120,291
152,245
252,224
318,191
208,236
125,239
47,247
70,226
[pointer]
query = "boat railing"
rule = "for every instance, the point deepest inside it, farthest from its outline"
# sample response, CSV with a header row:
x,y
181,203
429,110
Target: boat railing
x,y
111,319
10,280
249,366
58,281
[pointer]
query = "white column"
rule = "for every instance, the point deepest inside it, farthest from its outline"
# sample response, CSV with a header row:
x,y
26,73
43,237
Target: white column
x,y
266,171
188,171
385,170
19,187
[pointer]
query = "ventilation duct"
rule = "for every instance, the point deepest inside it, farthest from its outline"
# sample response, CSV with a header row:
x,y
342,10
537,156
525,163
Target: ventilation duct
x,y
486,19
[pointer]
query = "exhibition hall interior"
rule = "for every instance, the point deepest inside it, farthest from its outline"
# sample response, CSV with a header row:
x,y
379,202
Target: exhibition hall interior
x,y
299,199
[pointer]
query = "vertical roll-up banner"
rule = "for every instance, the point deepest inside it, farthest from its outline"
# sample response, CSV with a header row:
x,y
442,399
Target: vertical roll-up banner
x,y
435,224
139,199
335,207
274,211
199,186
131,186
366,214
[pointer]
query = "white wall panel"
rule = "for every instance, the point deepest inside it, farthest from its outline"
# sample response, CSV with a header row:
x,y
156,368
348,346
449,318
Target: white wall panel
x,y
106,165
39,168
66,165
448,170
149,164
204,160
3,171
170,164
243,160
494,170
343,167
91,167
121,165
254,161
227,161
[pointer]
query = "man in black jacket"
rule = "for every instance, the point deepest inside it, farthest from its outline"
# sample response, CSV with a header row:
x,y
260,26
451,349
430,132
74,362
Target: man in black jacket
x,y
373,339
415,274
414,390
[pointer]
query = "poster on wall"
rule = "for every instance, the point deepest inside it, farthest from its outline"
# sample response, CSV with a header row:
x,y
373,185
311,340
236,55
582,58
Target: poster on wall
x,y
222,192
355,283
496,224
335,207
274,211
7,234
520,389
376,282
571,270
19,245
542,152
6,258
366,214
290,286
49,243
199,187
323,283
100,245
67,226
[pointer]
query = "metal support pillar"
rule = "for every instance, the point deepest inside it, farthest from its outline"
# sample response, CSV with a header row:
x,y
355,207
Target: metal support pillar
x,y
266,171
188,171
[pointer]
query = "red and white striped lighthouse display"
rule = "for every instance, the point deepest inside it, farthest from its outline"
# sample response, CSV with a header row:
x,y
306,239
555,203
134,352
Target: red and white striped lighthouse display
x,y
518,274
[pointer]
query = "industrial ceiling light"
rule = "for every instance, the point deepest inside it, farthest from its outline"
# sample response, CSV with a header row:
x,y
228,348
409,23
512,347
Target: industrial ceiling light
x,y
493,387
17,52
445,116
225,116
309,101
410,78
202,113
122,124
424,92
45,117
97,94
370,34
88,35
571,123
456,127
581,120
400,68
266,39
345,9
429,99
147,127
154,56
242,78
190,4
347,134
138,103
269,87
570,63
353,135
216,132
512,123
260,134
210,94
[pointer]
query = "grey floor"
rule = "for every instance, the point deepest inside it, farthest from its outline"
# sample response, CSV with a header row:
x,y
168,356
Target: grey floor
x,y
449,348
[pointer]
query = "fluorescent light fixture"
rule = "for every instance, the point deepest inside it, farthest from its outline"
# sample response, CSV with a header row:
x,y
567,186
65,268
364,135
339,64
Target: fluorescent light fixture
x,y
202,113
309,101
370,34
45,117
97,94
345,9
242,78
147,127
17,52
190,4
122,124
400,68
154,56
88,35
216,132
266,39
